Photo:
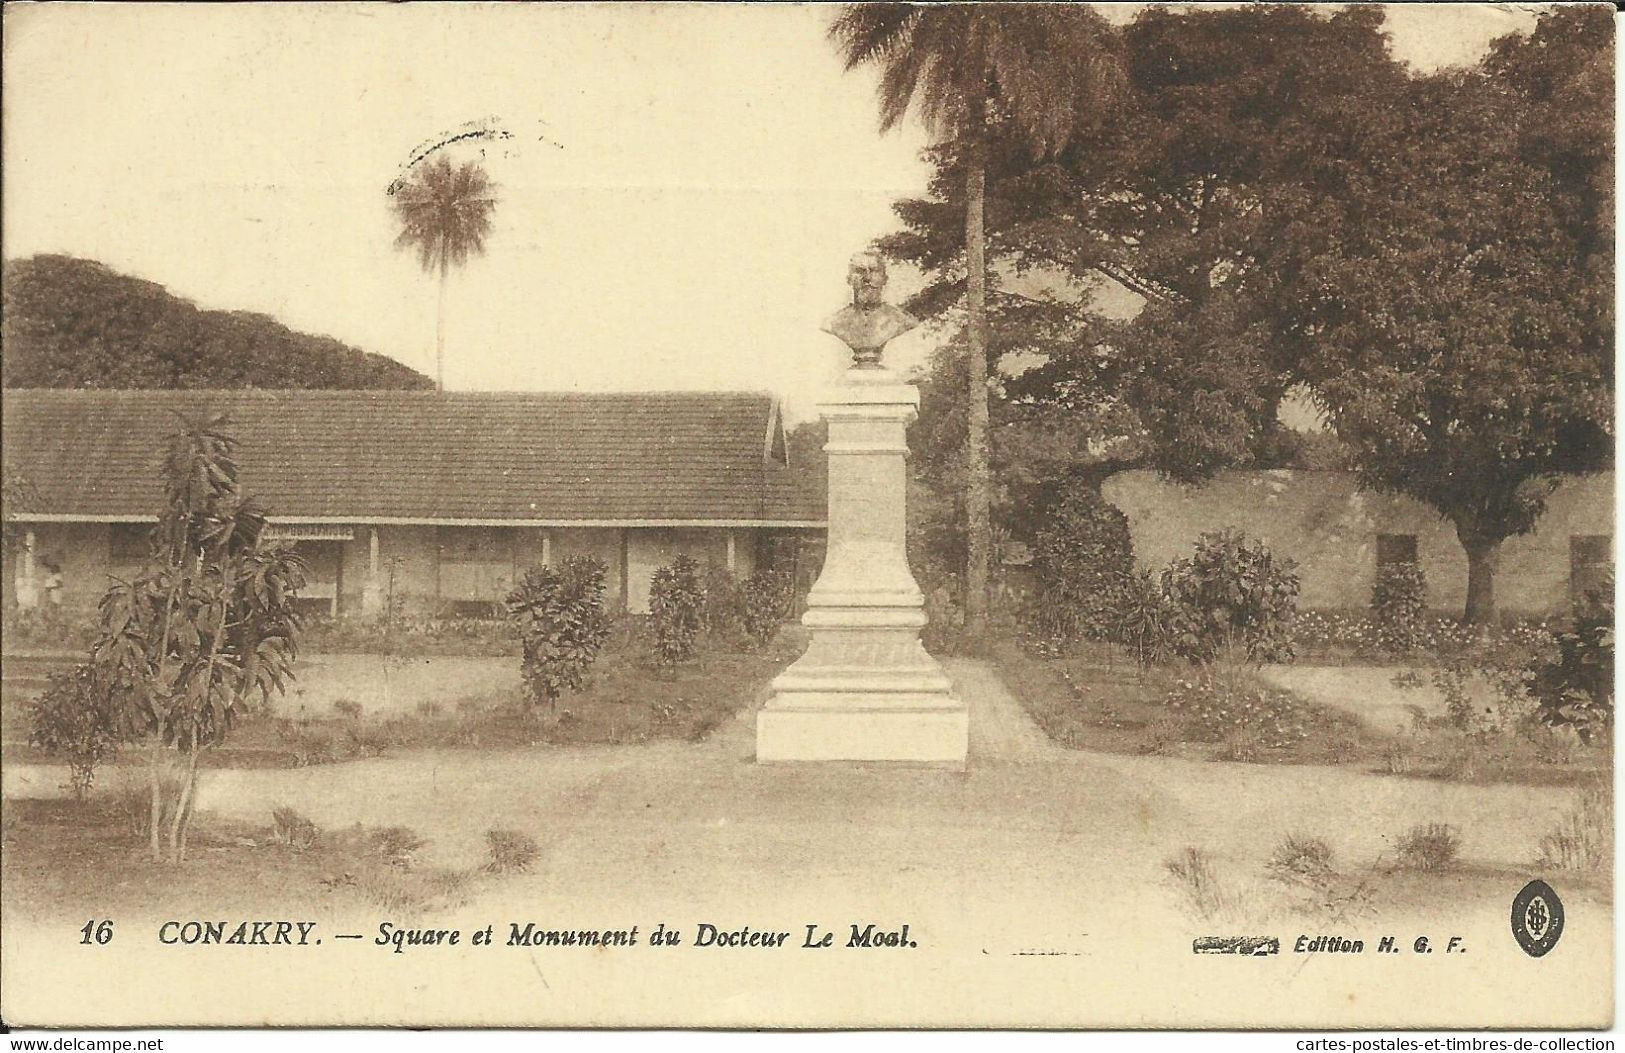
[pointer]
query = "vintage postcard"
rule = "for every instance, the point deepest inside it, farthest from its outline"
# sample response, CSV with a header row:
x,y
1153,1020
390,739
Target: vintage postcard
x,y
808,516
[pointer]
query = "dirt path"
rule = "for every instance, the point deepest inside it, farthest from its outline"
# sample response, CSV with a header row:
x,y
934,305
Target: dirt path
x,y
1035,872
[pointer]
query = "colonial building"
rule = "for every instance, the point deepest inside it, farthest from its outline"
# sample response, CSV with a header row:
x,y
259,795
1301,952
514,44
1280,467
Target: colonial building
x,y
1340,535
424,501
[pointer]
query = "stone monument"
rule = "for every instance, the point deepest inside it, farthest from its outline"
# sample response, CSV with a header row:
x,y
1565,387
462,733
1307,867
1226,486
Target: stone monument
x,y
865,690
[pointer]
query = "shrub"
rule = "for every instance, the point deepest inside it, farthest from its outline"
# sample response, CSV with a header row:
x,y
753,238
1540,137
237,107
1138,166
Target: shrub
x,y
1141,616
1399,606
1429,846
765,601
72,717
365,741
511,851
348,708
290,828
721,611
1575,686
1485,683
1230,600
676,597
1081,556
559,614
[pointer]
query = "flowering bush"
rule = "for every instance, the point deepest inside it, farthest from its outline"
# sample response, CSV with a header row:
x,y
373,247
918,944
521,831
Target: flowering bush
x,y
1333,633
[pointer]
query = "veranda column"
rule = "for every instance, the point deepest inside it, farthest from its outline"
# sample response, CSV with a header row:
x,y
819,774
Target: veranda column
x,y
372,588
27,583
865,689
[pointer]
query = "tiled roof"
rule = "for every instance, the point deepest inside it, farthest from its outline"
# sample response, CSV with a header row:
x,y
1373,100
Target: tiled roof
x,y
417,455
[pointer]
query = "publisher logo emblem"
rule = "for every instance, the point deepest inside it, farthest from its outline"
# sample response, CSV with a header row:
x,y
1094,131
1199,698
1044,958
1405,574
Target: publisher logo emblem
x,y
1537,918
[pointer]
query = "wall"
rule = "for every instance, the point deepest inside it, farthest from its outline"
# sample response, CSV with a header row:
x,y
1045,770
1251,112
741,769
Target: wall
x,y
1321,520
650,548
600,543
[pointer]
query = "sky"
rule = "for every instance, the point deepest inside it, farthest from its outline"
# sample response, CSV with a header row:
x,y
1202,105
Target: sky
x,y
680,186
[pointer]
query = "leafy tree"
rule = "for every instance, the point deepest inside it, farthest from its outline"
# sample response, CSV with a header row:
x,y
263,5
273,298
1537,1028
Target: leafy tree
x,y
445,216
1045,71
206,625
72,323
1198,197
1463,330
559,613
1428,259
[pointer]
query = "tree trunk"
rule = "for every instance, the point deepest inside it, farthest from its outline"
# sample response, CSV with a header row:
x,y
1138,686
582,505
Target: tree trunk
x,y
157,810
1482,555
978,528
440,329
184,809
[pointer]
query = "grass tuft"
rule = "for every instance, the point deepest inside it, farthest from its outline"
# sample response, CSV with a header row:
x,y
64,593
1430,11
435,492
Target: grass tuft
x,y
1429,846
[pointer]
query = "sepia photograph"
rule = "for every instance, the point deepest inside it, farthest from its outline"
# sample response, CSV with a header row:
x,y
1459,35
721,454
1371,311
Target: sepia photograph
x,y
963,515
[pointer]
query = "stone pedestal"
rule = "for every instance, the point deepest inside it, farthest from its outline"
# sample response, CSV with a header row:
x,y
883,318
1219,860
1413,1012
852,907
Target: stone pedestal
x,y
865,690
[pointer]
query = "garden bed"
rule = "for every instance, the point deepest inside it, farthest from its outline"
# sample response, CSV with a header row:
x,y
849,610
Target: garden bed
x,y
1095,698
628,699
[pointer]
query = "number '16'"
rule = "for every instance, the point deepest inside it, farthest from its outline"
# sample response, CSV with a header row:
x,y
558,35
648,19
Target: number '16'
x,y
98,931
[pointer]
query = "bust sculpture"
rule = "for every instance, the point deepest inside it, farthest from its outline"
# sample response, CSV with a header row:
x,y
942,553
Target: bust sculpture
x,y
868,322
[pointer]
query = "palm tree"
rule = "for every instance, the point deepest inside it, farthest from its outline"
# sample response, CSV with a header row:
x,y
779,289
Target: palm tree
x,y
445,214
1048,68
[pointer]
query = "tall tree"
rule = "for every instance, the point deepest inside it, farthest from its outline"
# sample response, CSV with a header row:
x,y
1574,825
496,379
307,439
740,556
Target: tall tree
x,y
1046,70
445,216
1463,330
1215,178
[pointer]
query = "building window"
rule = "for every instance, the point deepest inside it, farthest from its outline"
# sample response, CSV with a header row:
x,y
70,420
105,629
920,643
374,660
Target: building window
x,y
1393,549
476,568
1591,564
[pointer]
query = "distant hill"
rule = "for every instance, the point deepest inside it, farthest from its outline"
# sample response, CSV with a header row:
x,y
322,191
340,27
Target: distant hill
x,y
74,323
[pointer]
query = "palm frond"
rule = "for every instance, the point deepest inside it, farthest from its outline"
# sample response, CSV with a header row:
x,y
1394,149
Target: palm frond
x,y
445,213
